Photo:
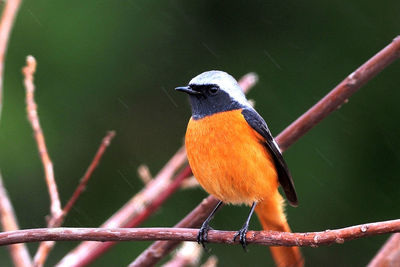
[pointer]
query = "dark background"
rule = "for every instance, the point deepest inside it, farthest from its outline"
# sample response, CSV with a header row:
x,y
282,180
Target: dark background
x,y
106,65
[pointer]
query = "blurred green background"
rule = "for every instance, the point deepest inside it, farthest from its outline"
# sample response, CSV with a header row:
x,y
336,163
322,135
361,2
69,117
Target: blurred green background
x,y
106,65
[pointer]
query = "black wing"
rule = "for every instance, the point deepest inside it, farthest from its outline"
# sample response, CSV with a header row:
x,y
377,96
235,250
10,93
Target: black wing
x,y
284,177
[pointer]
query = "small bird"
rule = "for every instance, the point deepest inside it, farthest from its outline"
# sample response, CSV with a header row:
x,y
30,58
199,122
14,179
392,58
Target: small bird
x,y
236,159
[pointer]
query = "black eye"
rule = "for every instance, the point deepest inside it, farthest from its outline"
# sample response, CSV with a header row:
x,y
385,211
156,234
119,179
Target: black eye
x,y
213,90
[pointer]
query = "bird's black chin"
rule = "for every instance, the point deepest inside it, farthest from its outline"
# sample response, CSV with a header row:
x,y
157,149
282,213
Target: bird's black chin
x,y
203,105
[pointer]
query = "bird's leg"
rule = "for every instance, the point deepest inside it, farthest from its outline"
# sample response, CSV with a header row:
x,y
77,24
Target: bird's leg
x,y
242,232
205,227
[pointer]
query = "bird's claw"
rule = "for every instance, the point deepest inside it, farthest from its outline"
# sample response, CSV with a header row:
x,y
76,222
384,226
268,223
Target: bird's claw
x,y
242,236
202,235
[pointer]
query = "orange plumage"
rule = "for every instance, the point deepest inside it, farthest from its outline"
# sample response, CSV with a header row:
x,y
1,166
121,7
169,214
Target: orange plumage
x,y
230,161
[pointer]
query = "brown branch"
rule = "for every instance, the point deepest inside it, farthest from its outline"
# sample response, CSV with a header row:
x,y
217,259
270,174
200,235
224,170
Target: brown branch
x,y
389,254
142,205
340,94
19,252
55,204
88,174
298,128
266,238
7,21
45,247
29,71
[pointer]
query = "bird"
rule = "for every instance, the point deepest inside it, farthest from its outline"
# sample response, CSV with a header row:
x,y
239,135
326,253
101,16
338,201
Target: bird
x,y
235,158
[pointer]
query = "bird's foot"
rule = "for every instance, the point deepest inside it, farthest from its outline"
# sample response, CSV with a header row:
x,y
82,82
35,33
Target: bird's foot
x,y
203,233
242,236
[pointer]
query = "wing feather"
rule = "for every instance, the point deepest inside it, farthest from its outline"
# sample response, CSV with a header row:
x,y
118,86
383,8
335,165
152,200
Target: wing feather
x,y
284,176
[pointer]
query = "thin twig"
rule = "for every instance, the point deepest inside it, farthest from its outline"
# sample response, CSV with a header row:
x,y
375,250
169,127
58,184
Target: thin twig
x,y
188,254
55,204
142,205
389,254
298,128
29,71
144,174
45,247
88,174
266,238
189,183
7,21
248,81
19,252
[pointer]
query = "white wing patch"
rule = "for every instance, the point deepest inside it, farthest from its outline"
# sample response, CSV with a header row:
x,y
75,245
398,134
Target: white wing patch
x,y
276,145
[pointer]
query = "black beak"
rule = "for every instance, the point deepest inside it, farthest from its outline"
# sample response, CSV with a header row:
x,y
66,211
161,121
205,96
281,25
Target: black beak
x,y
188,90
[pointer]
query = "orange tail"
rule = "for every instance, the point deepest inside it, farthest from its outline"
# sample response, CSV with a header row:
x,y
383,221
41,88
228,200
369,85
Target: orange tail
x,y
272,217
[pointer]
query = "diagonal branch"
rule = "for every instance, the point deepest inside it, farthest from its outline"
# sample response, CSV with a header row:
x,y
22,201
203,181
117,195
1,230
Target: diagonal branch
x,y
45,247
389,254
19,252
88,174
340,94
334,100
29,71
266,238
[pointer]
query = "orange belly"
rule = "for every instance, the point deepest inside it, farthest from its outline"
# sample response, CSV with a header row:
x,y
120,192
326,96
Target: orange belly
x,y
229,159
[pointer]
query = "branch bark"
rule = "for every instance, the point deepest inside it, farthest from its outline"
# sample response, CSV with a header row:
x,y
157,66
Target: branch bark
x,y
29,71
332,101
389,254
266,238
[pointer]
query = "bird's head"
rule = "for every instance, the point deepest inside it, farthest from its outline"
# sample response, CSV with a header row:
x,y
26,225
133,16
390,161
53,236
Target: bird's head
x,y
213,92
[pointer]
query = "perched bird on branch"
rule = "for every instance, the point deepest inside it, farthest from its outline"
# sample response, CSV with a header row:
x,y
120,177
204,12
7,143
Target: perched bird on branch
x,y
235,158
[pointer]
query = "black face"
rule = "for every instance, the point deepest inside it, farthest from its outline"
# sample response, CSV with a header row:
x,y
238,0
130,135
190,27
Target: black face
x,y
209,99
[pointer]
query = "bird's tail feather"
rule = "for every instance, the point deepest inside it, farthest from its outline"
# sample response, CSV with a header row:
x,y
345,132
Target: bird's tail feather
x,y
272,217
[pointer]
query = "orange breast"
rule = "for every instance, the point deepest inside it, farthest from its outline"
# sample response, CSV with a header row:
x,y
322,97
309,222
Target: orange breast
x,y
229,159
